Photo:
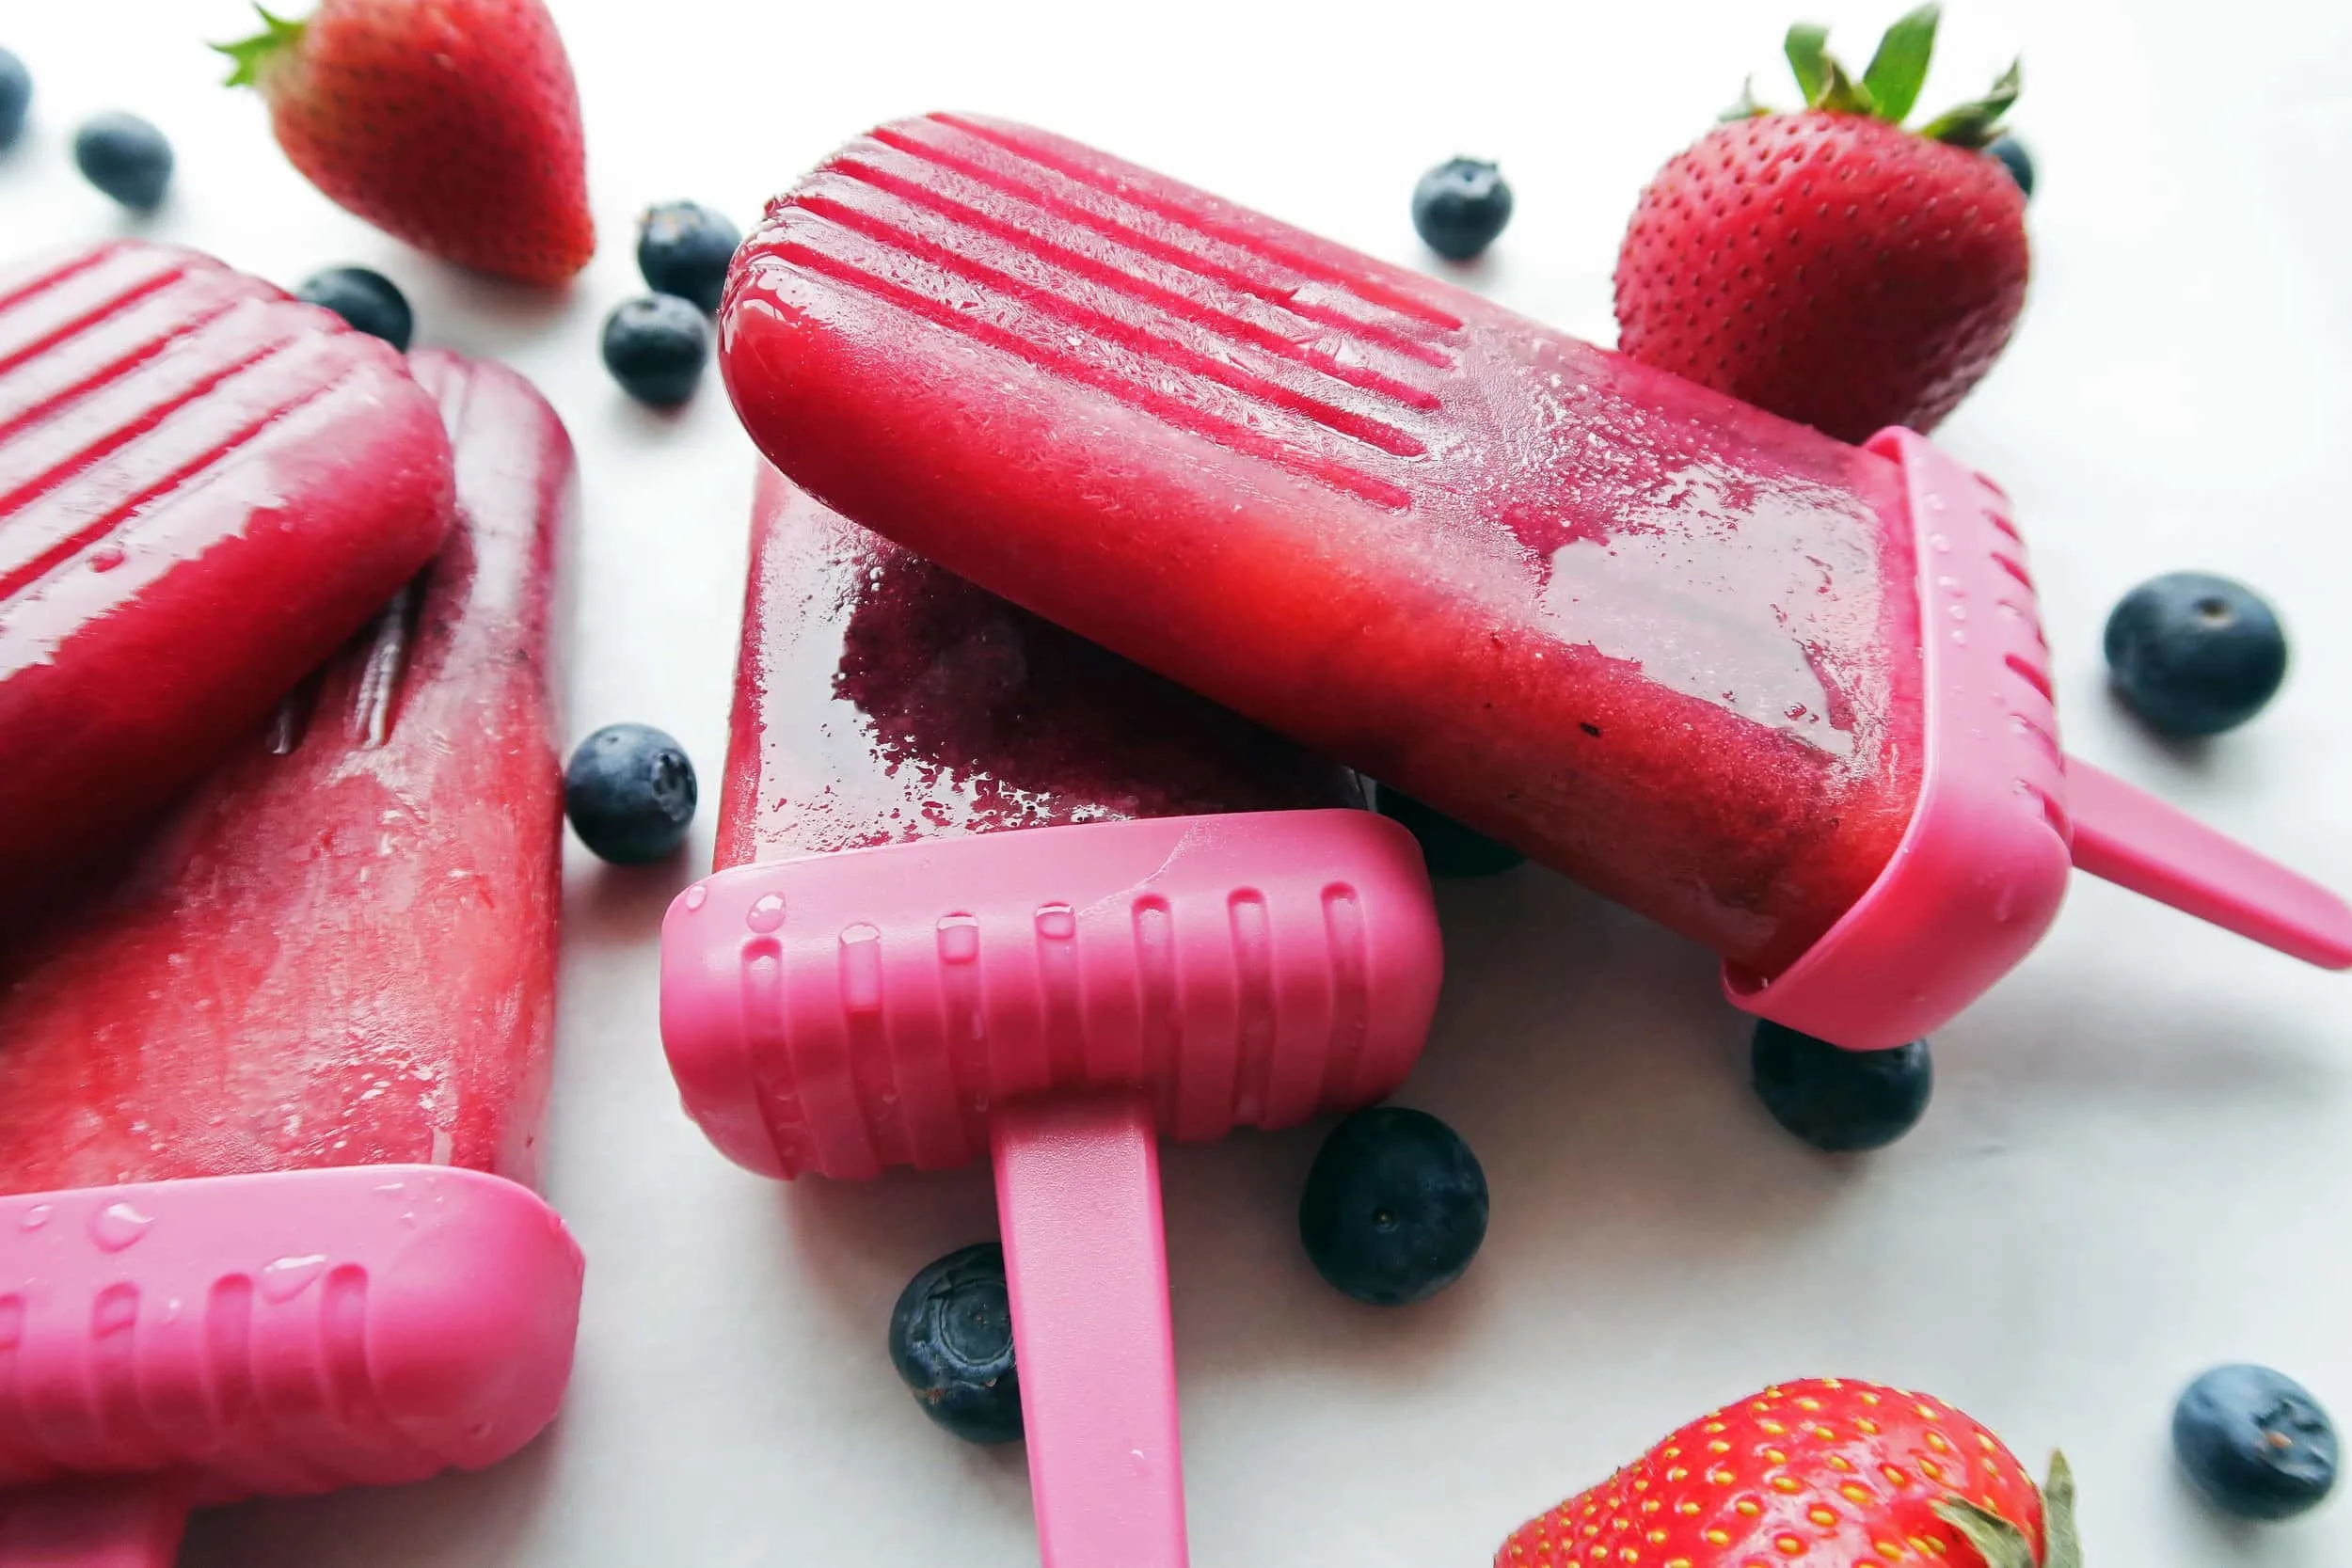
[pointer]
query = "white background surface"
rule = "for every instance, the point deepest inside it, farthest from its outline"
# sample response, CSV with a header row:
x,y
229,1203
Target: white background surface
x,y
2134,1163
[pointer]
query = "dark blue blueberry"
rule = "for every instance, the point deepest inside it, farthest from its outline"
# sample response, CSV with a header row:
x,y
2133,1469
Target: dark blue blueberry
x,y
16,96
1451,849
684,249
951,1339
2015,159
1459,208
1842,1101
124,156
368,300
1395,1208
2195,655
656,347
629,791
2255,1442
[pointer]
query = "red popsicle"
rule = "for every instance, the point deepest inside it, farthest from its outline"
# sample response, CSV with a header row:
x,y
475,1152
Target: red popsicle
x,y
983,886
204,488
1715,665
311,1023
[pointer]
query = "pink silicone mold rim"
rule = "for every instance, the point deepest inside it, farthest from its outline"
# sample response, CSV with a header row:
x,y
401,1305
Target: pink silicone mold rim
x,y
1983,866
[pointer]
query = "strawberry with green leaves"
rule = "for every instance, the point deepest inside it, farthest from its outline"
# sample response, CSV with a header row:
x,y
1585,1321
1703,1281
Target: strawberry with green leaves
x,y
1828,1473
1829,265
452,124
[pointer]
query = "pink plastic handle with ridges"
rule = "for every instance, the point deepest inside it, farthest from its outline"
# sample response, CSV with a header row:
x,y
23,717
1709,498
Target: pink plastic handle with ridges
x,y
272,1335
2003,814
1059,996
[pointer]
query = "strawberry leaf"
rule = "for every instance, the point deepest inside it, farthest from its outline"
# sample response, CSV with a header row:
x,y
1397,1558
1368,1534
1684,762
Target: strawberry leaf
x,y
2062,1549
2001,1543
1808,48
1747,108
1975,124
1899,68
1841,94
278,38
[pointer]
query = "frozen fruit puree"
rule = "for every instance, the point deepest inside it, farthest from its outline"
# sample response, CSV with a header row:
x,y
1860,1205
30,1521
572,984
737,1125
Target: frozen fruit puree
x,y
881,699
1652,636
341,948
205,488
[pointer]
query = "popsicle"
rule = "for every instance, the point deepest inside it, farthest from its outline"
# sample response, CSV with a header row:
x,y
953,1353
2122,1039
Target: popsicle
x,y
982,886
273,1095
1786,696
204,488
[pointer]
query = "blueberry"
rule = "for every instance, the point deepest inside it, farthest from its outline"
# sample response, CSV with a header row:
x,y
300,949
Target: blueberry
x,y
368,300
1451,849
951,1339
16,96
629,791
125,157
2255,1442
2195,655
1842,1101
1394,1207
656,346
2015,159
1459,208
683,250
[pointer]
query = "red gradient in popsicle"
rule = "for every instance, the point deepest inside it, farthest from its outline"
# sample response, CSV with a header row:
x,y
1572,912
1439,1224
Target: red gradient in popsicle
x,y
341,948
1661,640
205,488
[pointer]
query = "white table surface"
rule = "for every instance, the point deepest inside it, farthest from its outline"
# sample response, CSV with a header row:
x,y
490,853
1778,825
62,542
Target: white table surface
x,y
2134,1163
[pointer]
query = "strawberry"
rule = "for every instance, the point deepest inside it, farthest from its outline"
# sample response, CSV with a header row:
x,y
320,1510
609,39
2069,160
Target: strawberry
x,y
1831,1473
452,124
1829,265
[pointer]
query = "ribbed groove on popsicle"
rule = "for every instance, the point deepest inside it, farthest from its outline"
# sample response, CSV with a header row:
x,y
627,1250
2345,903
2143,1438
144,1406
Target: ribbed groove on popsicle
x,y
66,447
1173,410
72,378
1345,952
1250,930
1159,1024
88,293
350,1381
865,1024
768,1051
1210,226
34,568
376,693
1223,323
20,1457
958,939
2026,670
1265,290
1094,323
118,1411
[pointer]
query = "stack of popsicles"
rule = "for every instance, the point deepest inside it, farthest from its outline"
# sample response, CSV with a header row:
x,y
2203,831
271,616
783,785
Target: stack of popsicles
x,y
276,1041
1786,696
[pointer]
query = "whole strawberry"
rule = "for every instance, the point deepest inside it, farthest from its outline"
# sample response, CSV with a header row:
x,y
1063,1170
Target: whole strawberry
x,y
1829,265
1829,1472
452,124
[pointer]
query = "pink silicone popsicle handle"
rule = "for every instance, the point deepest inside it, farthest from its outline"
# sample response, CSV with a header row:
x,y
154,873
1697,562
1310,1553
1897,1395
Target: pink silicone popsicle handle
x,y
1085,1257
2133,839
107,1523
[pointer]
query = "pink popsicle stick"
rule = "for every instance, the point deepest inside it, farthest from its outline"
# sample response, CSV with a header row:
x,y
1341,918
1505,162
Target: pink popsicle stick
x,y
134,1523
2133,839
1086,1259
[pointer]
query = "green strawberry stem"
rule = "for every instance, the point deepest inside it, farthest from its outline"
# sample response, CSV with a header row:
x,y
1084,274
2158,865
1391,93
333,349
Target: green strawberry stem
x,y
2002,1545
1890,89
277,39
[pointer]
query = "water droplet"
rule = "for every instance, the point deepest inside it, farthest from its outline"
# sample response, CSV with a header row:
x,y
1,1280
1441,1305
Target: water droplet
x,y
1957,611
766,912
117,1225
694,896
106,558
1794,711
287,1277
38,1215
1938,543
392,1187
1960,638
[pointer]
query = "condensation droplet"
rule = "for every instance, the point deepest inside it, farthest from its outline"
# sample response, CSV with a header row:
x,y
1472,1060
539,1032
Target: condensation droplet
x,y
692,897
38,1215
117,1225
287,1277
766,912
